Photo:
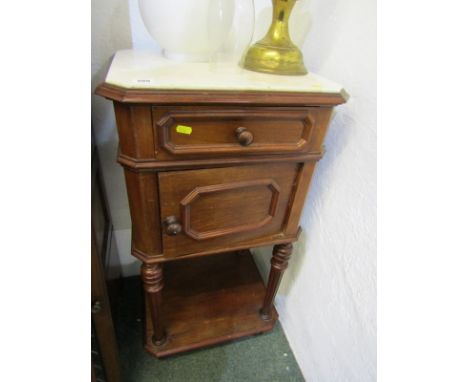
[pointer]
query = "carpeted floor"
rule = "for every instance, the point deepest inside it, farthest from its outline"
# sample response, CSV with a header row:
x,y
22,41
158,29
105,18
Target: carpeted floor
x,y
265,357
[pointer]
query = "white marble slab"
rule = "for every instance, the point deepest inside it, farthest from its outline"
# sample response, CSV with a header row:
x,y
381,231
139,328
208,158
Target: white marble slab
x,y
132,69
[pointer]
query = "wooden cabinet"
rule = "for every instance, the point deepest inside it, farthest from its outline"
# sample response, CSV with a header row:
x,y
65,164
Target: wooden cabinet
x,y
213,171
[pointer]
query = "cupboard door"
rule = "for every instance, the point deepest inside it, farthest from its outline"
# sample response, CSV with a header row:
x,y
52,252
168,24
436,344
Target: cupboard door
x,y
220,208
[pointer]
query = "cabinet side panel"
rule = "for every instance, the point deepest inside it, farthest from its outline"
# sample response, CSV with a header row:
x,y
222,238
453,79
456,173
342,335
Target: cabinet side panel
x,y
298,197
322,121
143,196
143,131
134,124
306,171
124,127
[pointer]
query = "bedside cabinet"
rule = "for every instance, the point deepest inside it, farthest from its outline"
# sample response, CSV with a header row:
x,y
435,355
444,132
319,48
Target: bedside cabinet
x,y
217,160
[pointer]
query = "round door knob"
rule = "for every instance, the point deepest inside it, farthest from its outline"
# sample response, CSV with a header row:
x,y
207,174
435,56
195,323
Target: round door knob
x,y
96,307
244,136
173,226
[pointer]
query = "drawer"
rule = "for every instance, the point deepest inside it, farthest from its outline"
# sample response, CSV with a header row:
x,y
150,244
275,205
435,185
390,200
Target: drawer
x,y
219,208
208,131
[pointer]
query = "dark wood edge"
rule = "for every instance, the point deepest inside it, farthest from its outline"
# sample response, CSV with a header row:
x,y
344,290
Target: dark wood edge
x,y
161,353
196,96
153,164
149,347
161,259
105,335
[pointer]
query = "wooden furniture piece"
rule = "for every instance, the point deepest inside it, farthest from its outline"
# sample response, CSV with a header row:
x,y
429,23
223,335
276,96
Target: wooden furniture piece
x,y
217,160
105,277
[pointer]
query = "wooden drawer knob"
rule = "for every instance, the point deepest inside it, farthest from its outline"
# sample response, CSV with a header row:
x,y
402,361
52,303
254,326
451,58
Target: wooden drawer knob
x,y
244,136
173,226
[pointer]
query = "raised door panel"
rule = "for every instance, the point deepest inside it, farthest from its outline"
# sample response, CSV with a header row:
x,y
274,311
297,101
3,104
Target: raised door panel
x,y
258,197
223,207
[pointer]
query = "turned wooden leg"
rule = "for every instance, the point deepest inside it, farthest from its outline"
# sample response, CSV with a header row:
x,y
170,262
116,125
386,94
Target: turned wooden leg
x,y
279,262
152,277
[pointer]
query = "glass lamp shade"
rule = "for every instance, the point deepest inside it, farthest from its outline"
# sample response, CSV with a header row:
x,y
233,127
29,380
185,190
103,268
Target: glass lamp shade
x,y
240,34
199,30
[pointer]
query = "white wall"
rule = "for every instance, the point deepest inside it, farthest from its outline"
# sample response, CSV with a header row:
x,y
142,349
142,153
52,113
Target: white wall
x,y
327,300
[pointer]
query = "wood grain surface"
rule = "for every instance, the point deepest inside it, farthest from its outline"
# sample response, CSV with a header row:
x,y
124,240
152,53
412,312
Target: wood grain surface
x,y
209,175
250,202
209,300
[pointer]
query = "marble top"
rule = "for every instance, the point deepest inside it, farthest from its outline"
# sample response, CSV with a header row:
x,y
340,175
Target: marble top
x,y
132,69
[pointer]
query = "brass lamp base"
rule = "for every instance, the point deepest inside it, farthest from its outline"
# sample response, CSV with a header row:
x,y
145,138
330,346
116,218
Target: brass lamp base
x,y
275,59
276,53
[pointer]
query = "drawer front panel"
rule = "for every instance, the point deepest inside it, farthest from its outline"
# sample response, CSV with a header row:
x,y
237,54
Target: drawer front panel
x,y
216,208
204,131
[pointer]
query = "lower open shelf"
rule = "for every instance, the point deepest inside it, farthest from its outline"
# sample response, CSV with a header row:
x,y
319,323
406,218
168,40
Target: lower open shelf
x,y
208,300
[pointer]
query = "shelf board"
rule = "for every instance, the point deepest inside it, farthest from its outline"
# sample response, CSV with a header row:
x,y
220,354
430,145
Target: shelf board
x,y
209,300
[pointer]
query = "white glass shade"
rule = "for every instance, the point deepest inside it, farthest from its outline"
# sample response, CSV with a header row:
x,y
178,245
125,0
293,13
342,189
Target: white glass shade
x,y
196,30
